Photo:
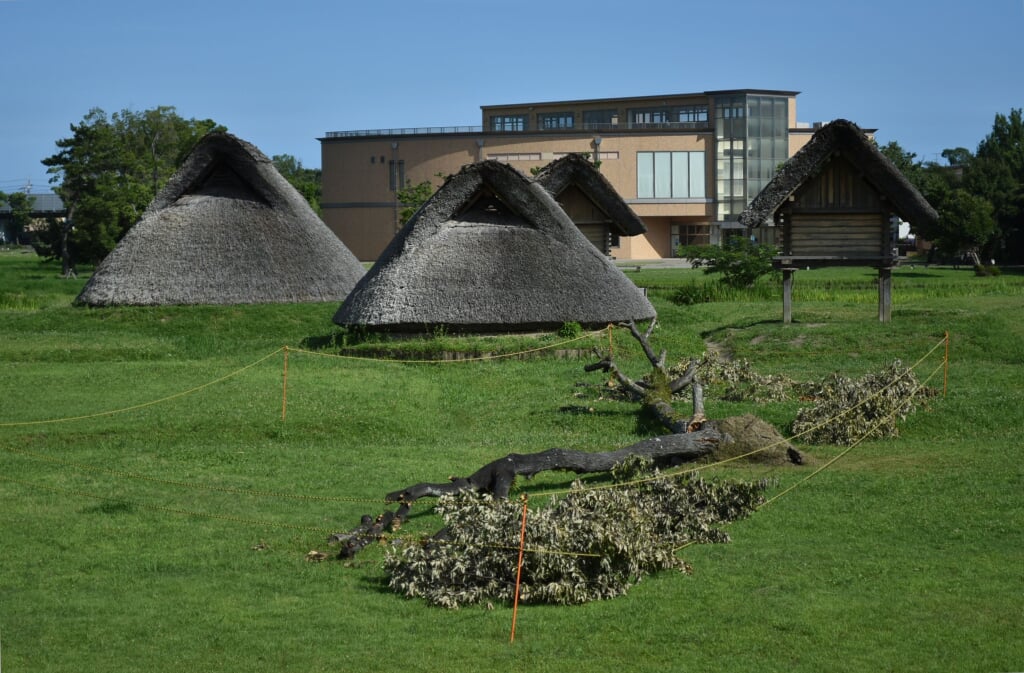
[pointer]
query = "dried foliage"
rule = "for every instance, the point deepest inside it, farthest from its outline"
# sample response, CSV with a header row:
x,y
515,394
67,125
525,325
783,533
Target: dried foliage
x,y
849,410
590,544
736,380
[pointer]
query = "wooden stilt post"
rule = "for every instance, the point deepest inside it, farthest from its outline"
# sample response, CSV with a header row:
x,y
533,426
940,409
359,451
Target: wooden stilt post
x,y
884,294
787,295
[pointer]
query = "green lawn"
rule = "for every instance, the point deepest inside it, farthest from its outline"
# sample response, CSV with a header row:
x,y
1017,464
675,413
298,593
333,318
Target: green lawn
x,y
173,536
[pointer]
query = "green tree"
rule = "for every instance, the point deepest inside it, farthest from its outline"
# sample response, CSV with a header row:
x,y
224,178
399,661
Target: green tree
x,y
413,196
739,260
109,170
957,156
905,161
21,212
307,181
966,218
997,174
966,221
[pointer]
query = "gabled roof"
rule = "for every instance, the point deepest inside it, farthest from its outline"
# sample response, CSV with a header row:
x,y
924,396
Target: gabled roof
x,y
575,170
491,251
845,138
227,228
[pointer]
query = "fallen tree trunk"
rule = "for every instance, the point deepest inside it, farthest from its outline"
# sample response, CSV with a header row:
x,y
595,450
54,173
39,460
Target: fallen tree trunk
x,y
497,476
691,439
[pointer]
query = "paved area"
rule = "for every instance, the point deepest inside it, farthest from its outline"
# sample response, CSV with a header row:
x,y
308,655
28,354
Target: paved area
x,y
667,263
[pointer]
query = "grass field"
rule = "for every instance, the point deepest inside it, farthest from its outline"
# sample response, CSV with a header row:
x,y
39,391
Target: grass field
x,y
172,534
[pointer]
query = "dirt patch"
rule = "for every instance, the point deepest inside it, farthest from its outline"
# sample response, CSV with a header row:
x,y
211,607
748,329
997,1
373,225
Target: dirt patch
x,y
749,434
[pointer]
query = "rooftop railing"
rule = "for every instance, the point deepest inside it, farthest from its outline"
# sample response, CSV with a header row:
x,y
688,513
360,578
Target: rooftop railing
x,y
422,130
608,126
452,130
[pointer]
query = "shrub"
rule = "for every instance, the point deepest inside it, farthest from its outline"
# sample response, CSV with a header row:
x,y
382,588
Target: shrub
x,y
739,260
570,330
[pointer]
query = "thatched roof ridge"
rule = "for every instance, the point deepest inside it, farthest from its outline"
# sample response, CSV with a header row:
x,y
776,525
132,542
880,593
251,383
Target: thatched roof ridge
x,y
846,138
525,199
575,169
491,251
227,228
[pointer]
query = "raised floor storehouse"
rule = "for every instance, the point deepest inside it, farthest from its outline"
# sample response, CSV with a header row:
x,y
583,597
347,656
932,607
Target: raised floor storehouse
x,y
686,164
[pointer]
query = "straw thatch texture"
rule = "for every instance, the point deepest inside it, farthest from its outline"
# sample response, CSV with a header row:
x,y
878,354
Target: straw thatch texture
x,y
491,251
575,169
845,138
226,229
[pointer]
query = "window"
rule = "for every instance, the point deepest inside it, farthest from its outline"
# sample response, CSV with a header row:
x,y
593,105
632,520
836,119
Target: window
x,y
693,114
515,156
555,120
600,119
690,233
675,115
649,116
508,123
396,174
601,156
670,175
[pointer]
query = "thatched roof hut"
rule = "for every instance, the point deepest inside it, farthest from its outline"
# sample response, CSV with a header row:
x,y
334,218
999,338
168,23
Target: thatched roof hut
x,y
589,199
227,228
491,251
840,138
835,203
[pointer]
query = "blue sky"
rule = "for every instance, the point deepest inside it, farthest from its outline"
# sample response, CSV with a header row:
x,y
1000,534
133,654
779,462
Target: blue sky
x,y
928,74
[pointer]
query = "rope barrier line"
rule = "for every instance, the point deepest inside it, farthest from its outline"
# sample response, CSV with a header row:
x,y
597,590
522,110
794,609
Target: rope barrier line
x,y
286,350
480,358
184,484
135,407
944,364
426,539
166,510
669,474
863,437
835,458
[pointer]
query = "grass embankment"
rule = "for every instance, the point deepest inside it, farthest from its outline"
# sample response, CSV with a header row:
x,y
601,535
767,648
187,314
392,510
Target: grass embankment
x,y
173,536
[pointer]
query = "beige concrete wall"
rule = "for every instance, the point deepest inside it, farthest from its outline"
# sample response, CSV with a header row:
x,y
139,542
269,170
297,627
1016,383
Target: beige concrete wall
x,y
360,207
358,203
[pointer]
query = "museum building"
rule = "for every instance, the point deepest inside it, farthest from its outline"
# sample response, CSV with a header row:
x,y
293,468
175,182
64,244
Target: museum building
x,y
687,164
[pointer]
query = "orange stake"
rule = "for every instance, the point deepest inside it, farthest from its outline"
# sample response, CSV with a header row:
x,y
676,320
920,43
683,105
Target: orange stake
x,y
519,573
284,389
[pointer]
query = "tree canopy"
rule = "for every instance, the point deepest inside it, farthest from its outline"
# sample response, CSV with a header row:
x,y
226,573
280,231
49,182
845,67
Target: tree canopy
x,y
979,196
110,168
413,196
21,212
305,180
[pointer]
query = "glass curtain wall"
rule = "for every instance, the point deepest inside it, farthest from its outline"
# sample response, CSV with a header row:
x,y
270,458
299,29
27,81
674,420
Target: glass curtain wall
x,y
751,140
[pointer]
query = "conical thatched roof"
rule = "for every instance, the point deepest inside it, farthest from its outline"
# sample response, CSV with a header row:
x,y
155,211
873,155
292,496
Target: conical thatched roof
x,y
845,138
491,251
227,228
574,169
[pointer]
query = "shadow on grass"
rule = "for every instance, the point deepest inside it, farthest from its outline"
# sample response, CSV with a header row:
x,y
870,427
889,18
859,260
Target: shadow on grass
x,y
726,329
